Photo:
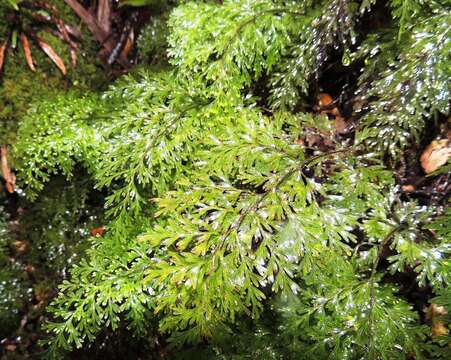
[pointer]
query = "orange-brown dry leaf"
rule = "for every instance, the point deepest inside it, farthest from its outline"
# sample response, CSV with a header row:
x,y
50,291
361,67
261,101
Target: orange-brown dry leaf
x,y
64,34
10,186
439,329
433,313
300,142
8,175
128,44
408,188
98,231
20,246
2,54
99,34
433,310
27,51
52,55
73,56
325,101
10,347
435,155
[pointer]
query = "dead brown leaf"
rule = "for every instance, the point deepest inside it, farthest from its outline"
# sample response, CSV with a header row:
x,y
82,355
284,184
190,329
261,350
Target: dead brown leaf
x,y
300,142
99,231
20,246
10,347
52,55
73,57
433,314
27,51
8,175
313,140
435,155
408,188
439,329
128,44
2,54
324,99
73,46
326,105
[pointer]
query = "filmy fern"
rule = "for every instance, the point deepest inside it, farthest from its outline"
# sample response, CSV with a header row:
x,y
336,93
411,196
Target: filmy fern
x,y
216,207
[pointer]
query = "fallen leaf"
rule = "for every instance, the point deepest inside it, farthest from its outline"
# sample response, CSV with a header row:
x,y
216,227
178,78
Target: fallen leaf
x,y
2,54
440,310
128,44
73,56
10,185
8,175
27,51
75,32
433,313
439,329
20,246
10,347
23,321
99,231
324,99
52,55
408,188
65,35
300,142
434,310
435,155
326,105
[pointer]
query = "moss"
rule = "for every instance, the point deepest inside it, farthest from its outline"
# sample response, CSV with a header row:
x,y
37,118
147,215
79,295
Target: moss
x,y
19,86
